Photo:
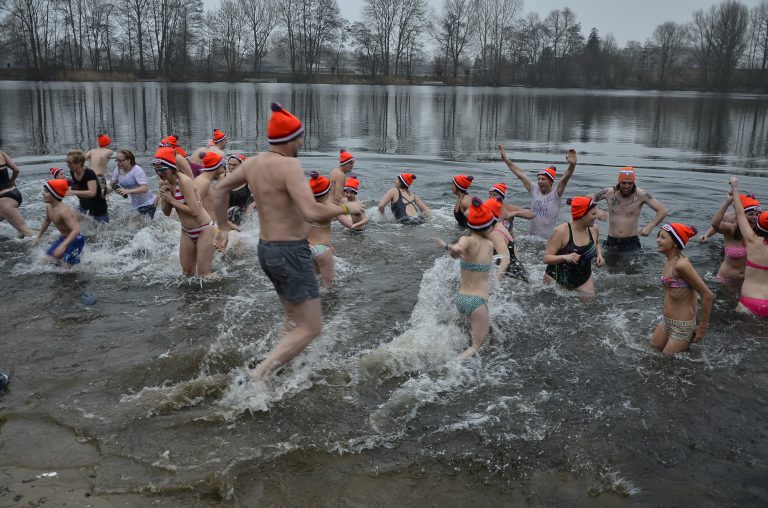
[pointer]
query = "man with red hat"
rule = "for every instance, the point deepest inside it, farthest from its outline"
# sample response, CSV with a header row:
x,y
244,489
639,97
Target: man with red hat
x,y
545,201
67,248
286,206
99,158
625,201
217,144
339,175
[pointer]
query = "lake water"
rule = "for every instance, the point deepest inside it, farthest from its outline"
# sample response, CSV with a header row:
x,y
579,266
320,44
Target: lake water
x,y
138,399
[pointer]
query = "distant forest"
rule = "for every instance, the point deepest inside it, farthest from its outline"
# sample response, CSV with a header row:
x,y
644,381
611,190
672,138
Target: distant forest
x,y
482,42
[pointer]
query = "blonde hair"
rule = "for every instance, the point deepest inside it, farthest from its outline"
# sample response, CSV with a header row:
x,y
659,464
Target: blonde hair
x,y
78,157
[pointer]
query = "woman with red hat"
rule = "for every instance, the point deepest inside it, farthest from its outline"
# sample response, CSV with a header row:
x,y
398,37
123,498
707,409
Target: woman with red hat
x,y
460,188
682,286
754,290
475,252
406,206
177,191
734,264
572,248
10,196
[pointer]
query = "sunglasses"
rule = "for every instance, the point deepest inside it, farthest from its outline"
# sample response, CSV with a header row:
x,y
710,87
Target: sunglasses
x,y
161,170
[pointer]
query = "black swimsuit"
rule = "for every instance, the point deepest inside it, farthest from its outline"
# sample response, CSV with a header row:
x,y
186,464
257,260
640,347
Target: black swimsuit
x,y
239,199
5,183
461,219
398,210
574,275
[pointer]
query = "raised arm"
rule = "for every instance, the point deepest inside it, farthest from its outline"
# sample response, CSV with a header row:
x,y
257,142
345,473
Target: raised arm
x,y
741,218
571,158
516,170
661,212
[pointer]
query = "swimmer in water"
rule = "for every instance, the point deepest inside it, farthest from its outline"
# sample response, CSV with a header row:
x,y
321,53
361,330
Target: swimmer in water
x,y
351,188
460,188
67,249
475,251
10,196
754,289
406,206
99,158
545,201
339,174
734,264
681,285
177,191
572,248
625,202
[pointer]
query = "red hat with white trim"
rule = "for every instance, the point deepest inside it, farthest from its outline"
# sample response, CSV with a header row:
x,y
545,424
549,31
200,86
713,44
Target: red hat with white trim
x,y
55,171
626,173
237,156
550,172
211,160
103,140
762,224
345,157
352,184
57,188
463,182
479,217
319,184
500,189
680,232
283,126
165,156
218,136
749,202
406,179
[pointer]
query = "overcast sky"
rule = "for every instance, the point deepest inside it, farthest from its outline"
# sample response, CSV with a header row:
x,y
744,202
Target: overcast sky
x,y
626,19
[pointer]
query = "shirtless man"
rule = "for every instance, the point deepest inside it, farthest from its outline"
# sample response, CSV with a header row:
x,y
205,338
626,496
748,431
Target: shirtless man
x,y
99,158
545,202
339,175
67,249
625,201
213,168
286,206
217,144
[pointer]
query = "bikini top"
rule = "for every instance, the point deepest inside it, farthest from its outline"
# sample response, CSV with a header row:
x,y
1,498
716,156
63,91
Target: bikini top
x,y
475,267
179,196
674,283
736,251
756,266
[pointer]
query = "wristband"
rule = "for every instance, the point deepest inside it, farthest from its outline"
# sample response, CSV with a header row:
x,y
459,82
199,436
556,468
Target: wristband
x,y
345,208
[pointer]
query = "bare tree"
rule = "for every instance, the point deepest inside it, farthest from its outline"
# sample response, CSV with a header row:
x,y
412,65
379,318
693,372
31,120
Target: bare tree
x,y
757,52
668,40
454,29
365,48
564,39
35,20
261,18
495,20
718,39
310,26
135,15
228,34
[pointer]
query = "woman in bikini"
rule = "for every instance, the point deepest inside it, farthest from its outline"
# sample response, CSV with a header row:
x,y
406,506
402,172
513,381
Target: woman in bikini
x,y
460,188
572,248
682,284
474,251
754,290
10,196
731,271
319,238
177,191
406,206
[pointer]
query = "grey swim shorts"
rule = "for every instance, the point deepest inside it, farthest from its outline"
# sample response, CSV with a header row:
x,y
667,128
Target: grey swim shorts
x,y
289,266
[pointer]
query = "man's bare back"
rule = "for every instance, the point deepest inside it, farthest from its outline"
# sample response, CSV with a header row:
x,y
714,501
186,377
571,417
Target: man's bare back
x,y
99,158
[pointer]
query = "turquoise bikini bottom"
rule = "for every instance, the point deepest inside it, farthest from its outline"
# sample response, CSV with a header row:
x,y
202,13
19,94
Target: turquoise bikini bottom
x,y
467,304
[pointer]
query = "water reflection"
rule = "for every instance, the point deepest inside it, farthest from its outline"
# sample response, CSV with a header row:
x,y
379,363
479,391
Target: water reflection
x,y
456,123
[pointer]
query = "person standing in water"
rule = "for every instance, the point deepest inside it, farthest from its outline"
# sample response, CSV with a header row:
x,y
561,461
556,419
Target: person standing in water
x,y
625,201
734,264
10,196
319,237
681,286
351,188
99,158
545,201
240,199
754,289
286,206
406,206
67,249
504,245
87,187
177,191
568,263
339,174
475,251
460,188
213,169
130,181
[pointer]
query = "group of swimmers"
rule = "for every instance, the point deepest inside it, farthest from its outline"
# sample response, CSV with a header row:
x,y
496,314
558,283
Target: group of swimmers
x,y
211,197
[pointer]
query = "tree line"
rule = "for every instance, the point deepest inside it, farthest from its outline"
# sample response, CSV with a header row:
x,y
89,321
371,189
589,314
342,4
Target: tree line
x,y
487,42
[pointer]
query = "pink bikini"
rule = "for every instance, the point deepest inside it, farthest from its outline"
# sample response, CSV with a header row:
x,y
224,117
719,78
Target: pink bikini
x,y
757,306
